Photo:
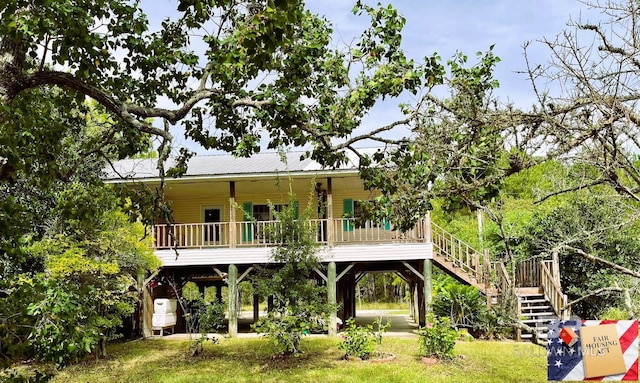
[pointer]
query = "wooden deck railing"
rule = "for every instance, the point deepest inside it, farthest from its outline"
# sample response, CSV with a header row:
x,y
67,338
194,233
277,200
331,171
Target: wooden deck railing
x,y
528,273
260,233
461,254
191,235
553,291
504,282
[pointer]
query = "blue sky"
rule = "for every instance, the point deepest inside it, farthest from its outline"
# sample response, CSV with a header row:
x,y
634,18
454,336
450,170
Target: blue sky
x,y
445,27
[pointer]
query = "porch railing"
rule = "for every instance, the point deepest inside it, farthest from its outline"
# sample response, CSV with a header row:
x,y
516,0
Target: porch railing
x,y
191,235
261,233
528,273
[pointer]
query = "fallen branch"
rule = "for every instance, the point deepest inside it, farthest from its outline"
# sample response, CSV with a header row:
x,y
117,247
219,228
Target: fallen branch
x,y
534,334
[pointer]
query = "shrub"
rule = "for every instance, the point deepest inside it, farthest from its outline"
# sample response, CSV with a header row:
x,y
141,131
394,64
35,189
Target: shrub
x,y
299,303
200,316
615,313
72,320
494,325
361,341
438,338
463,304
283,332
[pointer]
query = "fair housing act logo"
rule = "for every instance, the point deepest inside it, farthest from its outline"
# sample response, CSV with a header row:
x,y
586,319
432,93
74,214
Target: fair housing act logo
x,y
592,350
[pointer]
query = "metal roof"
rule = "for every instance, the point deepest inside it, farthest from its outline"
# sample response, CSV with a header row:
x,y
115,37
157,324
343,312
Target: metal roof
x,y
223,165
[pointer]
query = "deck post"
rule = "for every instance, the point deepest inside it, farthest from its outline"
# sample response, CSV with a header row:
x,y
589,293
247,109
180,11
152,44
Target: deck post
x,y
411,303
426,272
331,298
232,215
232,223
233,300
256,308
487,278
555,267
329,207
416,302
219,292
428,237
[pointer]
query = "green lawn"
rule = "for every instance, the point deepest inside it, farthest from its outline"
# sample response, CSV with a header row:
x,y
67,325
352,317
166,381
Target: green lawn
x,y
248,360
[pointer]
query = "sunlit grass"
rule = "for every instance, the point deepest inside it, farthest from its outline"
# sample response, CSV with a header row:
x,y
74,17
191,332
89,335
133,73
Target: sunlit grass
x,y
248,360
396,306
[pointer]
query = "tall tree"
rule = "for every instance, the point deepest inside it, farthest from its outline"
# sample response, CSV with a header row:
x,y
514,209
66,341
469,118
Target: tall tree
x,y
587,109
228,68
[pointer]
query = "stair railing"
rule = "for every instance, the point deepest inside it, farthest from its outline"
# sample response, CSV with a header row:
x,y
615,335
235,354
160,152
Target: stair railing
x,y
461,254
504,282
553,292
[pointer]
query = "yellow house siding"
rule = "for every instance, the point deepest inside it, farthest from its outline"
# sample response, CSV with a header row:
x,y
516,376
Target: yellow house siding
x,y
191,210
189,199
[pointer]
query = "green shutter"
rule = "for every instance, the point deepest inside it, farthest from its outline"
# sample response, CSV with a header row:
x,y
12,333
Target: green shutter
x,y
296,207
387,224
247,215
347,209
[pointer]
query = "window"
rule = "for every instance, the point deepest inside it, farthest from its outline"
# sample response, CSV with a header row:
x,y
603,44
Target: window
x,y
263,213
259,213
356,210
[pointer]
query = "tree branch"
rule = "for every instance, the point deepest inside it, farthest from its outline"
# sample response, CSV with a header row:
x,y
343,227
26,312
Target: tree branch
x,y
576,188
112,104
595,259
597,292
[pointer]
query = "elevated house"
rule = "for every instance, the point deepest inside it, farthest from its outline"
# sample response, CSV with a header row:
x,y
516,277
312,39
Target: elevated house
x,y
222,204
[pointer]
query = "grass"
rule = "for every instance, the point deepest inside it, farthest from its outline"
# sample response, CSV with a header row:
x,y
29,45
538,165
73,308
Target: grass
x,y
404,307
248,360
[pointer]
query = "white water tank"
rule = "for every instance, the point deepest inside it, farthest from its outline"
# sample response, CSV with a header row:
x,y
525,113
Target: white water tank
x,y
165,306
164,320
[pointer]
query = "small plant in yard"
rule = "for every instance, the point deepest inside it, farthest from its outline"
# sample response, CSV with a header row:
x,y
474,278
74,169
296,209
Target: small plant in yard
x,y
298,301
201,316
361,341
438,338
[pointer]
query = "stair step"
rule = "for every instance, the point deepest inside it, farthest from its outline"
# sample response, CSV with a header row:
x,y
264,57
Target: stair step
x,y
536,309
531,308
529,336
539,314
525,321
533,301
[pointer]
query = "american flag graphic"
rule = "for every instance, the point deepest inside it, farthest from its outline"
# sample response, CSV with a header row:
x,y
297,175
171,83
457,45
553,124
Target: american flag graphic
x,y
565,363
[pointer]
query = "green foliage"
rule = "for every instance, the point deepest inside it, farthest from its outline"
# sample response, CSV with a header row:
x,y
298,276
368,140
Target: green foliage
x,y
457,153
615,313
600,224
494,324
438,338
299,303
67,326
361,341
90,257
462,304
201,316
15,375
284,333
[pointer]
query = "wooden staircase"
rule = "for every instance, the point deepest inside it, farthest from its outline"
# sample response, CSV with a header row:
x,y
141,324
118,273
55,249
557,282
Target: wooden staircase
x,y
536,312
537,283
462,261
